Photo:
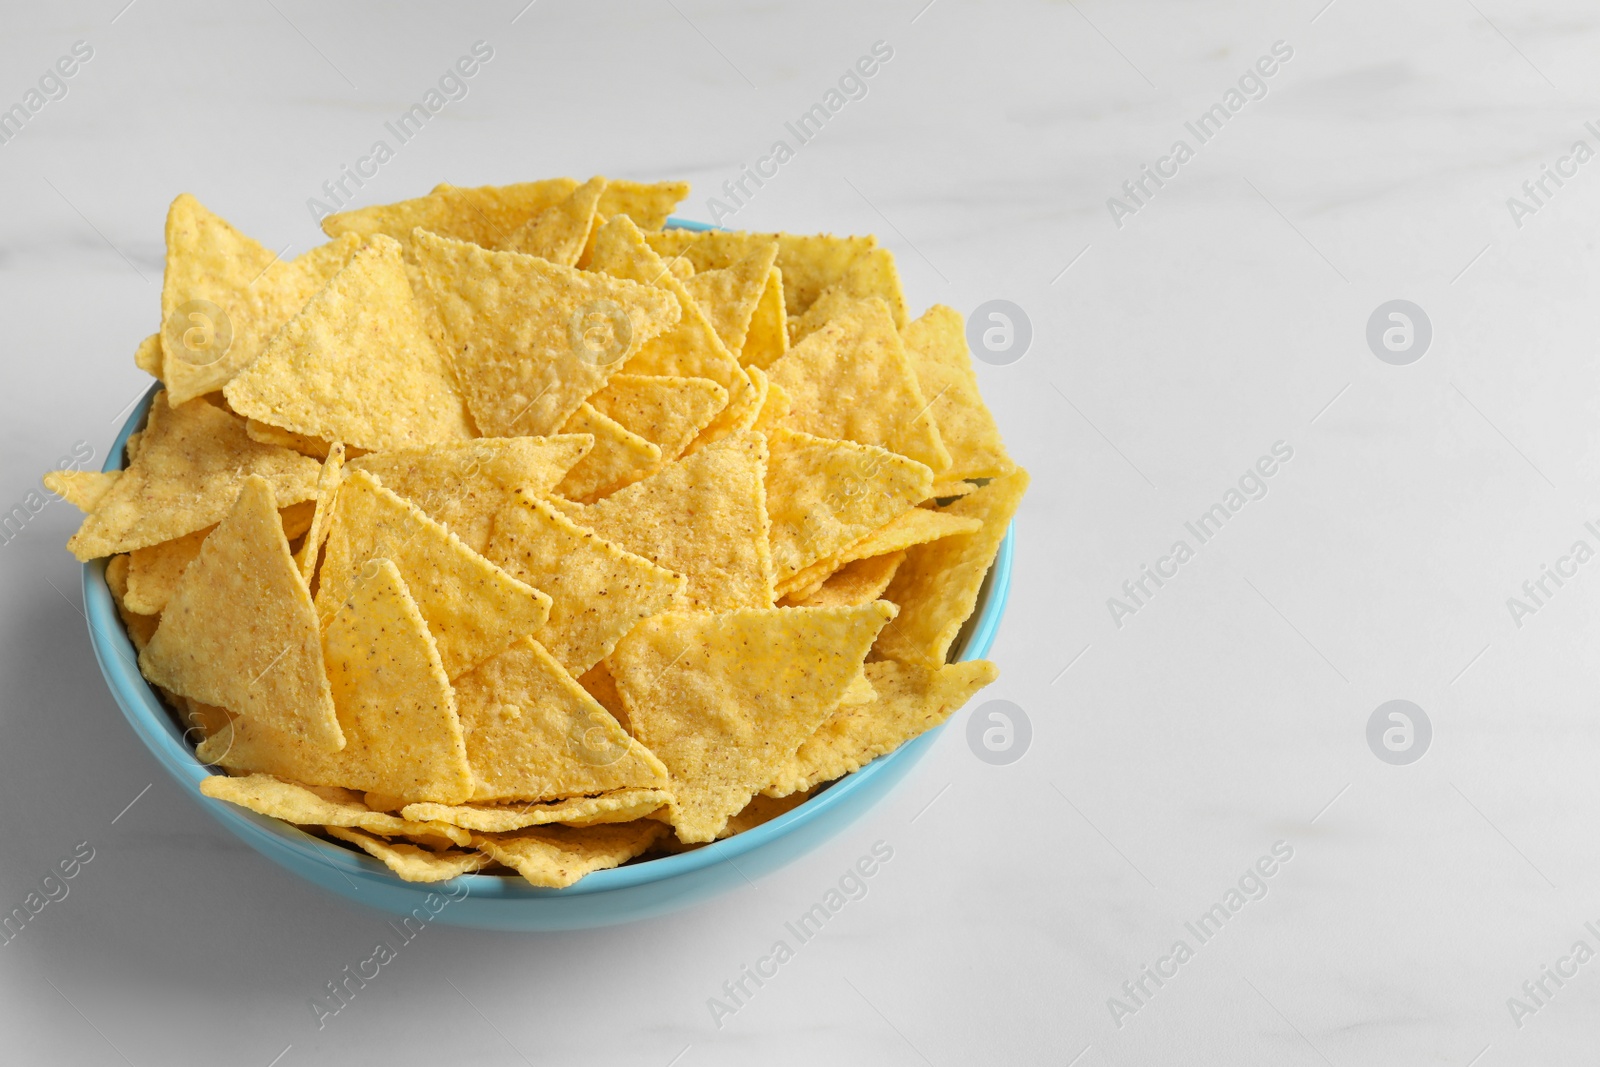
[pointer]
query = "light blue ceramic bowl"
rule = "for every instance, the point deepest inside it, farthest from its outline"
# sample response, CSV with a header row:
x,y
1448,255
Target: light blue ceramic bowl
x,y
635,891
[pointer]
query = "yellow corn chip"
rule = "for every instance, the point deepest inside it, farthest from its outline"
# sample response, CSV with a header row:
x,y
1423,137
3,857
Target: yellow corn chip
x,y
768,337
910,700
937,586
691,349
268,434
328,482
534,734
224,296
704,517
681,269
147,357
833,302
915,527
859,582
665,410
724,700
742,418
464,486
559,232
557,856
82,489
153,572
531,339
762,809
318,806
851,379
619,457
950,490
140,627
647,203
357,365
810,264
189,466
598,591
411,863
936,345
824,495
473,608
622,805
239,630
774,409
486,215
598,683
729,296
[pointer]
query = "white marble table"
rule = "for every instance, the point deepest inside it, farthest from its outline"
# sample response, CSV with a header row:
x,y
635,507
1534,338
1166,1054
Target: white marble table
x,y
1226,313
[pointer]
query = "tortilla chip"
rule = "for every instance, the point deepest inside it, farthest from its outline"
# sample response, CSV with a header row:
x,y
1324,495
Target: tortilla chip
x,y
473,608
729,296
619,457
851,379
774,409
485,214
704,517
824,495
557,856
919,526
211,263
559,232
140,627
598,591
724,700
910,701
768,337
598,683
148,356
268,434
622,805
648,204
239,629
762,809
950,490
810,264
411,863
82,489
531,339
328,482
317,806
534,734
691,349
855,583
936,345
464,486
190,464
665,410
153,572
937,586
742,418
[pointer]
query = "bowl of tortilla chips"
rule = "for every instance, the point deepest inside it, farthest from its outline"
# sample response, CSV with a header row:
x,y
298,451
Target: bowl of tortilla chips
x,y
522,558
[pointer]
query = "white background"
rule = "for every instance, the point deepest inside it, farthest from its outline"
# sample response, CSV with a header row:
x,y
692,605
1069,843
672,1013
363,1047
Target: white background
x,y
1226,715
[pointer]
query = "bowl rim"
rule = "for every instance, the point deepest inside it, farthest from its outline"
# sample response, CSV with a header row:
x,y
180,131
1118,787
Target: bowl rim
x,y
156,726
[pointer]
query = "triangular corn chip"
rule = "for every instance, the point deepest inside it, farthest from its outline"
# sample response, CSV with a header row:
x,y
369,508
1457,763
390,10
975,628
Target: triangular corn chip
x,y
824,495
859,582
936,345
851,379
725,700
691,349
473,608
305,805
666,410
464,486
559,232
357,365
153,572
762,809
239,630
768,337
268,434
212,268
410,862
186,474
950,490
598,591
729,296
619,457
621,805
704,517
531,339
534,734
937,586
82,489
918,526
485,214
148,356
328,483
810,263
647,203
140,627
775,407
557,856
910,700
